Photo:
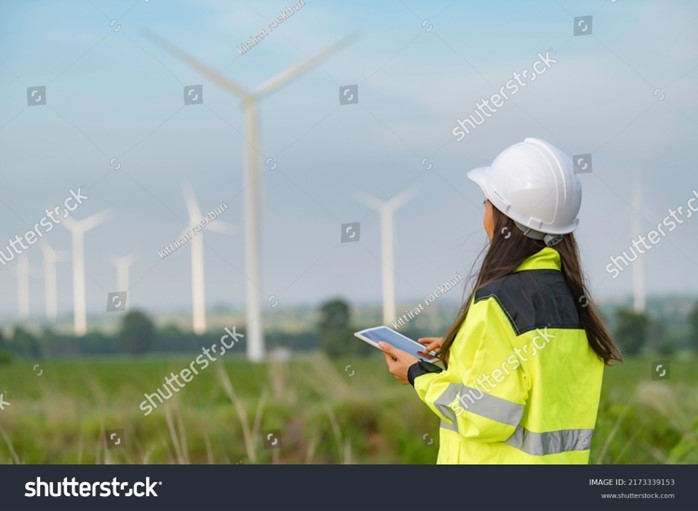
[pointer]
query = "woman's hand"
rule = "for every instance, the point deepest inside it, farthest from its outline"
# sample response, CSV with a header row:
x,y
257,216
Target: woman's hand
x,y
431,344
398,361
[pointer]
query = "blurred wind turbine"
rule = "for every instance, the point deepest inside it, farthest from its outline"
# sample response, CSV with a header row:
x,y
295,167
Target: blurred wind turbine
x,y
78,230
386,210
24,271
122,264
198,297
255,338
51,257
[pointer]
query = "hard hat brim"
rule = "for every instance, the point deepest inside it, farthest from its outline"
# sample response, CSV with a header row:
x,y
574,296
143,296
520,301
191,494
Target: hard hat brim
x,y
479,177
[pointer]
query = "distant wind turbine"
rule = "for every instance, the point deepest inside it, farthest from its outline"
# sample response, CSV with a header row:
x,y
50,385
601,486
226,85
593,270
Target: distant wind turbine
x,y
386,210
198,296
24,271
78,230
122,264
255,338
51,257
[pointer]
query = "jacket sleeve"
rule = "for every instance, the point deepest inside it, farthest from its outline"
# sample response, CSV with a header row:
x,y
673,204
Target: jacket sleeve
x,y
483,392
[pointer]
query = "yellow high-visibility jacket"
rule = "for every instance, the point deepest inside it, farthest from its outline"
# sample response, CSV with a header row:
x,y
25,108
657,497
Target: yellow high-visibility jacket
x,y
522,384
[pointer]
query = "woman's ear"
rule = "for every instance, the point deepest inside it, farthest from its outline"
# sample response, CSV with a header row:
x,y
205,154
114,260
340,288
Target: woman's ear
x,y
488,219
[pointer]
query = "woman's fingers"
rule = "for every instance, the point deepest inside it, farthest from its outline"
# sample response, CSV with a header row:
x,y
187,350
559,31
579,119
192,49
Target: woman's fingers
x,y
388,351
431,343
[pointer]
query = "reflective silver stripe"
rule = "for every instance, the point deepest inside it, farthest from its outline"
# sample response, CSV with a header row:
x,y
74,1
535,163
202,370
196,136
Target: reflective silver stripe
x,y
488,406
452,427
442,404
458,398
550,442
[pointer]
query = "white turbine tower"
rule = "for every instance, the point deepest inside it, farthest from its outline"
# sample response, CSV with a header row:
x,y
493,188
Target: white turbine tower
x,y
51,257
639,302
386,210
198,296
122,265
254,333
24,271
78,229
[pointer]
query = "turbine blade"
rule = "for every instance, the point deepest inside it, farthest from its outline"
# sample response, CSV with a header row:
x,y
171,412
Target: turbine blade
x,y
401,199
70,223
273,84
93,221
202,68
52,255
192,204
369,200
221,227
88,223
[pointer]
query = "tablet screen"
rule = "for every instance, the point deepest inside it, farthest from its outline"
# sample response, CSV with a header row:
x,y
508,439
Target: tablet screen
x,y
394,338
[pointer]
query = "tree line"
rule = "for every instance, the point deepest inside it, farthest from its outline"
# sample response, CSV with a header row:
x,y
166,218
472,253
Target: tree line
x,y
332,332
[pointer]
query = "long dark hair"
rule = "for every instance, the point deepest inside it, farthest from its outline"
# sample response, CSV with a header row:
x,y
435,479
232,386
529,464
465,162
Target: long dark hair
x,y
507,249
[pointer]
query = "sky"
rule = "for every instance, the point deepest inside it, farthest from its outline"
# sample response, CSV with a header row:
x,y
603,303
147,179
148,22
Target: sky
x,y
114,124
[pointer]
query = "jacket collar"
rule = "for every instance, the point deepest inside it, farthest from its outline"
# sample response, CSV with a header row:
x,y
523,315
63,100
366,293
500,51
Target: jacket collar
x,y
547,259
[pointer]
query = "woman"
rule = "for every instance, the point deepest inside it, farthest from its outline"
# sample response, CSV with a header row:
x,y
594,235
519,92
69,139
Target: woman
x,y
524,359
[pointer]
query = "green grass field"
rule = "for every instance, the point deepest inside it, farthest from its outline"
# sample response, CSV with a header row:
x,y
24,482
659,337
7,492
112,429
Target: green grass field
x,y
327,412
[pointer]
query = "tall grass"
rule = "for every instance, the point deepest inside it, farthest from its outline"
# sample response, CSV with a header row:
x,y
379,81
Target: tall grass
x,y
324,414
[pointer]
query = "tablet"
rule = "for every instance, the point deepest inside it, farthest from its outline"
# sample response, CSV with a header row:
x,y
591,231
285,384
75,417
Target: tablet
x,y
377,334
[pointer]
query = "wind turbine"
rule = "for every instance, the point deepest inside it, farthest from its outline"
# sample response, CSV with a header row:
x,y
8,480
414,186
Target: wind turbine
x,y
386,211
51,257
198,297
253,287
122,264
78,230
24,271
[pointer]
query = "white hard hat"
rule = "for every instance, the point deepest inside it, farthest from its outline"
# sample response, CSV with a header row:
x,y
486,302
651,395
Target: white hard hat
x,y
533,183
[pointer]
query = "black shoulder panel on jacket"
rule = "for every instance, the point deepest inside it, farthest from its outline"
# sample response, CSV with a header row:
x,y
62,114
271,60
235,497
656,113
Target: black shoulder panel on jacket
x,y
534,299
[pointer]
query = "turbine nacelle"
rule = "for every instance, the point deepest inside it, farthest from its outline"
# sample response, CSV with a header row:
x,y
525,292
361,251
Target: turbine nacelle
x,y
391,205
87,224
